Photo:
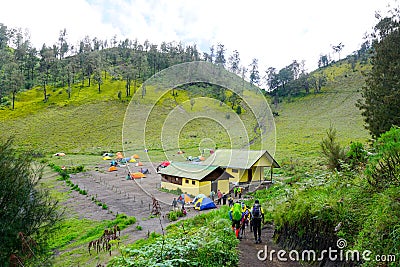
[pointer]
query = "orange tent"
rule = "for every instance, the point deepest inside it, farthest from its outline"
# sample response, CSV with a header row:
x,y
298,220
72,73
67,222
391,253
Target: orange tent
x,y
119,155
137,175
112,168
139,164
136,156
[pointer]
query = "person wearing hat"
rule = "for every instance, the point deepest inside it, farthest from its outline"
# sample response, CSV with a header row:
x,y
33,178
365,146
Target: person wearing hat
x,y
257,216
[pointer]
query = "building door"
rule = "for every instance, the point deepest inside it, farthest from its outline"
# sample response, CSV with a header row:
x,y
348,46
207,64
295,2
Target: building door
x,y
214,186
250,175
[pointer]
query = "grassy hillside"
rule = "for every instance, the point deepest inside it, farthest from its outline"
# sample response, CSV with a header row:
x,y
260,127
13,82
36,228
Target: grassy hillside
x,y
303,121
91,122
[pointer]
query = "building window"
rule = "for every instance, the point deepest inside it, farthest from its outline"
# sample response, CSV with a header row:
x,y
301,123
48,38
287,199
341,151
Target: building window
x,y
186,181
172,179
193,182
235,170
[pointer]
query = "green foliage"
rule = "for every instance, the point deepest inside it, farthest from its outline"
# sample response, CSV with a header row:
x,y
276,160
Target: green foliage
x,y
177,191
357,155
238,110
174,215
332,150
380,230
190,243
28,212
73,235
345,206
381,98
383,170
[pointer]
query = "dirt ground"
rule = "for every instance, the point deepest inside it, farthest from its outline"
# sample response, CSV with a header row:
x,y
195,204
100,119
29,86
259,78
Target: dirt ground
x,y
131,197
134,198
249,251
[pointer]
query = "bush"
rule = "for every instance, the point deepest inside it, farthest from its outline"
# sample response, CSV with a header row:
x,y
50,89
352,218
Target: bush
x,y
332,151
172,216
357,155
383,170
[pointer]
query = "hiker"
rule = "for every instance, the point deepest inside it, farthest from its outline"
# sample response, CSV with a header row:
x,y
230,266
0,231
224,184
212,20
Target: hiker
x,y
212,195
240,192
246,217
235,214
183,209
174,203
230,200
219,195
257,215
235,190
224,197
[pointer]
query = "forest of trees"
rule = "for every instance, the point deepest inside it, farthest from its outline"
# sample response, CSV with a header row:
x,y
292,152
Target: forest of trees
x,y
23,66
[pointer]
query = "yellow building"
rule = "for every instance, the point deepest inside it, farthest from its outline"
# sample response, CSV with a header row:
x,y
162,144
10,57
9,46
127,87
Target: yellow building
x,y
194,179
243,165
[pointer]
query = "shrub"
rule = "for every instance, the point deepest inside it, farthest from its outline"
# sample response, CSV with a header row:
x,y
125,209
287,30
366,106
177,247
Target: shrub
x,y
383,170
172,216
356,155
332,150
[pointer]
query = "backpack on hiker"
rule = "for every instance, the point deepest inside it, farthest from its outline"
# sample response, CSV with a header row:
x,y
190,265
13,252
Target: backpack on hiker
x,y
256,212
237,212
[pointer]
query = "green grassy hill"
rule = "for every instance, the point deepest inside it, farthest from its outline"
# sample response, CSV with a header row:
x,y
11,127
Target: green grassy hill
x,y
303,121
91,122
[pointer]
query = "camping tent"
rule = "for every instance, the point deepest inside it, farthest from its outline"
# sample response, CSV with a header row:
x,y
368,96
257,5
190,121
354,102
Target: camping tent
x,y
144,170
137,175
165,164
198,197
136,156
106,157
184,198
112,168
204,203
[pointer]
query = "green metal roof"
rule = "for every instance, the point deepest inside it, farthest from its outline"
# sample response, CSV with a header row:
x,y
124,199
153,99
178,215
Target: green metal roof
x,y
238,158
187,170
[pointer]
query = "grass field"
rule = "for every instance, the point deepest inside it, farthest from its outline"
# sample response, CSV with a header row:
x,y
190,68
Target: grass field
x,y
303,122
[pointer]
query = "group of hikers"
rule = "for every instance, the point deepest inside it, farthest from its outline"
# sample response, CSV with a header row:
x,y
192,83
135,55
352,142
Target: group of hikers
x,y
242,217
227,197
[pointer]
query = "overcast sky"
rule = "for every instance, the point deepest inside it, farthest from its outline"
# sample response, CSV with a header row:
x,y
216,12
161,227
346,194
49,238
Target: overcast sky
x,y
275,32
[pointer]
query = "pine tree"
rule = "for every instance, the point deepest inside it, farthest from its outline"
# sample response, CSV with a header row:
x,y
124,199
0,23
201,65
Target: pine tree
x,y
381,95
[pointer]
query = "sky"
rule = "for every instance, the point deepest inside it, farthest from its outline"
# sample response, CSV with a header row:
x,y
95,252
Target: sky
x,y
274,32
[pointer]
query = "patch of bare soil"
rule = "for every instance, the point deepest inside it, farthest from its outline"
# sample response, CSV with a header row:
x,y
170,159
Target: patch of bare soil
x,y
122,195
252,255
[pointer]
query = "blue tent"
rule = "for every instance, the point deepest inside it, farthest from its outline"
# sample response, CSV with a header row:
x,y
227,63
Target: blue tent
x,y
204,204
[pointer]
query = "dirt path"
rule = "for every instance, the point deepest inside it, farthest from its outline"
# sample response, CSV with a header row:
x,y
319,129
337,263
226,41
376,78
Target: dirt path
x,y
249,251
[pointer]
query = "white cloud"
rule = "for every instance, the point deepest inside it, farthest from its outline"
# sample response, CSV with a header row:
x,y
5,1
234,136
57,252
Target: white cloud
x,y
275,32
